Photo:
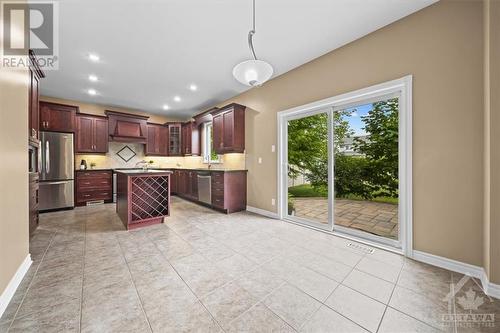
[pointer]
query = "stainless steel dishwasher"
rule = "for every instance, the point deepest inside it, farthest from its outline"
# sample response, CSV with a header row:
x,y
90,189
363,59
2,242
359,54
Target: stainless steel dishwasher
x,y
204,187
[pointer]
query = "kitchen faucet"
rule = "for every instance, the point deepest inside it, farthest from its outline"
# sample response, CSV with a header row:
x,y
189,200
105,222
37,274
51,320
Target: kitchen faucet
x,y
144,164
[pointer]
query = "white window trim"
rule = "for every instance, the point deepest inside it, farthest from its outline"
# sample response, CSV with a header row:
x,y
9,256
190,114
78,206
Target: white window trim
x,y
207,145
402,87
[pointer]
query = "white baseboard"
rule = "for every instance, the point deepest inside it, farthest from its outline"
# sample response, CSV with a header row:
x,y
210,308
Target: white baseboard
x,y
489,288
14,283
262,212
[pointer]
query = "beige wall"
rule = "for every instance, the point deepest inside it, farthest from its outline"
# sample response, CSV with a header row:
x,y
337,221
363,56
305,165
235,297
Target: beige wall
x,y
14,172
442,47
492,140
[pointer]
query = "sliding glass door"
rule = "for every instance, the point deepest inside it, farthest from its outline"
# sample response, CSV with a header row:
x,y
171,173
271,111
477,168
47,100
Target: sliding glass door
x,y
366,159
309,169
342,168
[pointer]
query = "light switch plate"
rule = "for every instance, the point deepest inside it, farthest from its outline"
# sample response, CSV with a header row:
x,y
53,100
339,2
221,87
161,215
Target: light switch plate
x,y
260,160
273,148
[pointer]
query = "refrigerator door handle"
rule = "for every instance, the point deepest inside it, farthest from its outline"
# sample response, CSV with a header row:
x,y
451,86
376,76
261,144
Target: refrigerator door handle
x,y
47,158
39,160
55,183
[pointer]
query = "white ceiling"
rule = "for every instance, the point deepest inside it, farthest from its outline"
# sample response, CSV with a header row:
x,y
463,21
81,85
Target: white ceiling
x,y
152,50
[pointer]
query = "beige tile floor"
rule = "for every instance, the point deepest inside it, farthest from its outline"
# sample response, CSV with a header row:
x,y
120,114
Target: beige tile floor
x,y
203,271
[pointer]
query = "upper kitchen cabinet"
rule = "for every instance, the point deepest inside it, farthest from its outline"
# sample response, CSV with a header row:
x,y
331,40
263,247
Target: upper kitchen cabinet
x,y
229,129
57,117
36,75
126,127
157,140
174,139
91,134
190,139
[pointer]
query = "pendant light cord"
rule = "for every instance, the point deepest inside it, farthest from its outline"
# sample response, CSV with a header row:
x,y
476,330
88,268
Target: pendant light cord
x,y
252,32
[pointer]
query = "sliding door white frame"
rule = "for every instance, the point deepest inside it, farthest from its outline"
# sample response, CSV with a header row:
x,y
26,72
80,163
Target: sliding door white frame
x,y
329,141
403,88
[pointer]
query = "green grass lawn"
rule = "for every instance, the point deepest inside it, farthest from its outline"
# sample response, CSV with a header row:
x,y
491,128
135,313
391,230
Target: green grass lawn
x,y
307,191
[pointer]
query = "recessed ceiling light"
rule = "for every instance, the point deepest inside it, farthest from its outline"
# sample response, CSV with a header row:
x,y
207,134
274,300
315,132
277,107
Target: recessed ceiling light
x,y
165,107
93,78
193,87
177,98
94,57
92,92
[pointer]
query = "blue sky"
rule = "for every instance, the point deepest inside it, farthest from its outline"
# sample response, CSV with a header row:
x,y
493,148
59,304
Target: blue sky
x,y
355,121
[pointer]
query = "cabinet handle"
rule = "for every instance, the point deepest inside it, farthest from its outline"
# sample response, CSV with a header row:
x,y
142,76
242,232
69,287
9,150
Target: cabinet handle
x,y
105,182
86,183
86,195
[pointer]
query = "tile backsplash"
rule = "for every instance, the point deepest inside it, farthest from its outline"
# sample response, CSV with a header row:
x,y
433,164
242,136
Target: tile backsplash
x,y
111,160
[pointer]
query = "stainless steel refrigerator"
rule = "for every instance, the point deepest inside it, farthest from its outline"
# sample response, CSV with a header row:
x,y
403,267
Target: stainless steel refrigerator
x,y
56,174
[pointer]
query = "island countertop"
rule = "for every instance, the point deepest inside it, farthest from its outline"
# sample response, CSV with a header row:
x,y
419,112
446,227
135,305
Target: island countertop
x,y
135,172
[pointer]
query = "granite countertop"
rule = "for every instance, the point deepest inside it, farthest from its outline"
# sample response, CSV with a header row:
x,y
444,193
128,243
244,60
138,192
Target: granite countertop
x,y
144,172
162,169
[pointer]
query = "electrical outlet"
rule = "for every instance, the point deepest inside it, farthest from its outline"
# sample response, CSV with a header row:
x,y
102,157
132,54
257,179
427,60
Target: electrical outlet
x,y
273,201
260,160
273,148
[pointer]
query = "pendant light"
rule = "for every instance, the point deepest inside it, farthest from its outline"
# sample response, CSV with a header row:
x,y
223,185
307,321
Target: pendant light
x,y
252,72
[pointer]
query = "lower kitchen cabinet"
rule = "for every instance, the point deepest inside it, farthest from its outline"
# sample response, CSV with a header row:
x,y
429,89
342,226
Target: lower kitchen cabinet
x,y
228,188
33,201
185,184
93,185
229,191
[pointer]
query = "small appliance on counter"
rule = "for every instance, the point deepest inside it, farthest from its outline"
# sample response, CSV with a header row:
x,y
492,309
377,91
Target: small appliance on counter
x,y
83,165
56,174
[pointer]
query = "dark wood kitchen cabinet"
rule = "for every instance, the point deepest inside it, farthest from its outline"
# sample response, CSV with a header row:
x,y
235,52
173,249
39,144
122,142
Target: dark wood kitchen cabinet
x,y
174,138
157,140
174,182
36,74
33,201
229,190
186,139
91,135
57,117
93,185
190,139
186,183
229,129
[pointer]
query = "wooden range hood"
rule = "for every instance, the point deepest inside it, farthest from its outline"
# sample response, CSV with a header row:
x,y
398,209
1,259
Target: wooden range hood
x,y
126,127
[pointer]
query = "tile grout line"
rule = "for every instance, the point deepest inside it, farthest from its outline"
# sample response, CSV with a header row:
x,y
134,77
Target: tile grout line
x,y
83,274
133,283
187,285
390,297
31,282
261,301
324,303
362,255
400,311
455,328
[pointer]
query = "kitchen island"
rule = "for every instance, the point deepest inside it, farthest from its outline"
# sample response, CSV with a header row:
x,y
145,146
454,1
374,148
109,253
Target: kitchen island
x,y
143,197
